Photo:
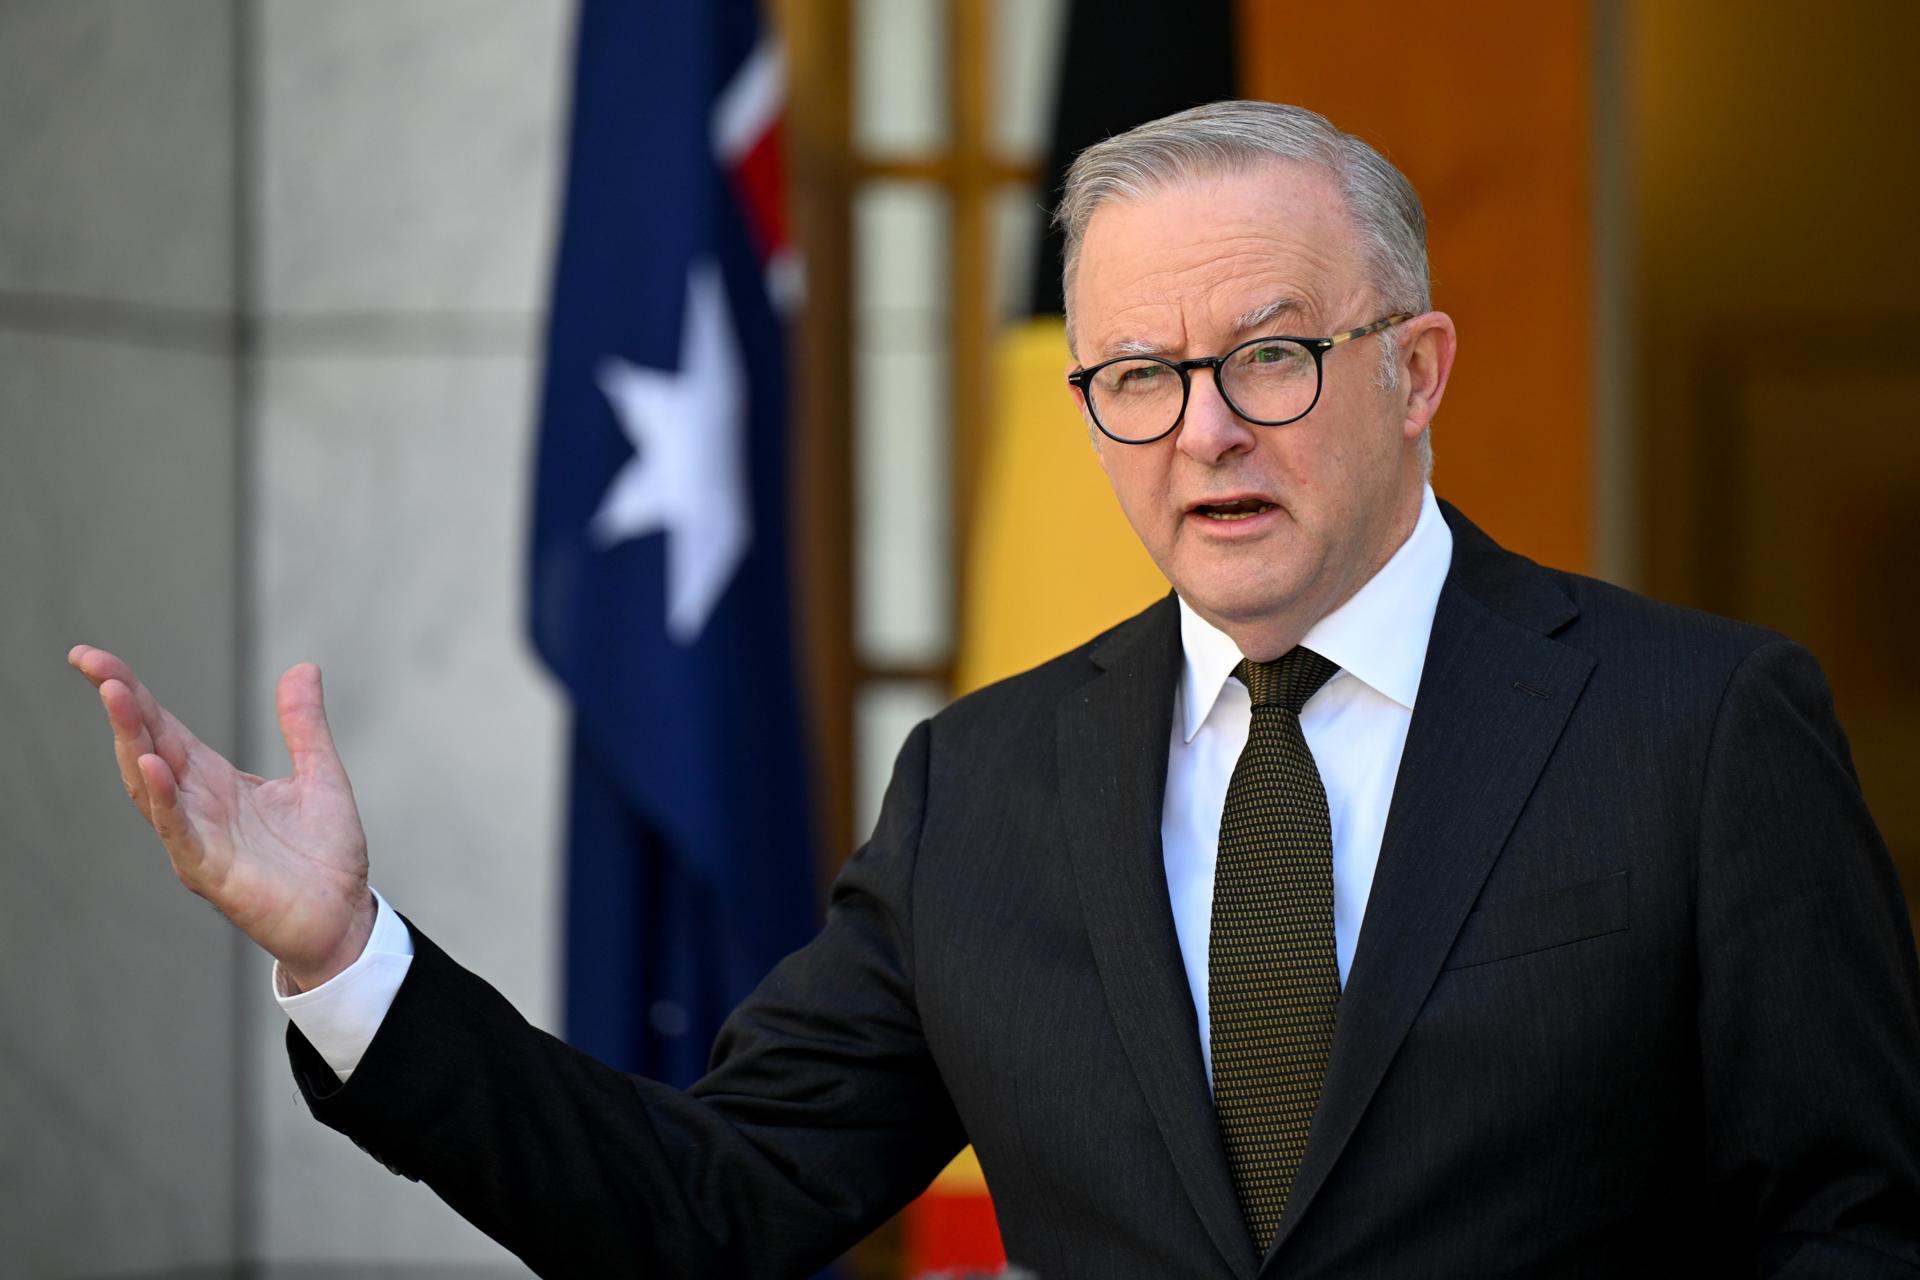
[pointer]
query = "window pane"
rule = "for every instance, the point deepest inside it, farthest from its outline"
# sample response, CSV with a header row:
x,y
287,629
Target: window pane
x,y
900,70
1027,36
885,712
900,253
902,477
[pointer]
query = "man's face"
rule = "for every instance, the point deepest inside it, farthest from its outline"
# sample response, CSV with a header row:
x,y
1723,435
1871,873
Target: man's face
x,y
1194,271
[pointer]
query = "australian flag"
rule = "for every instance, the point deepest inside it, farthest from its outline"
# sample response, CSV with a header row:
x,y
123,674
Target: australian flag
x,y
659,590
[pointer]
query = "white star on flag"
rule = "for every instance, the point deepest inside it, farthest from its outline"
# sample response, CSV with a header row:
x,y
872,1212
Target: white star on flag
x,y
688,474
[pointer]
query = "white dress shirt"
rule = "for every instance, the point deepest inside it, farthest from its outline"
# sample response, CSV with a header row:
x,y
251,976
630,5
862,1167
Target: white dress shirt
x,y
340,1016
1356,727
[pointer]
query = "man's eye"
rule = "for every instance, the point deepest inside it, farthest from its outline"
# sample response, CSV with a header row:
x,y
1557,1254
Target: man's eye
x,y
1138,377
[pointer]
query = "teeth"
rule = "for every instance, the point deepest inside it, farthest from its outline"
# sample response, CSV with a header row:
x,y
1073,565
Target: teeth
x,y
1235,510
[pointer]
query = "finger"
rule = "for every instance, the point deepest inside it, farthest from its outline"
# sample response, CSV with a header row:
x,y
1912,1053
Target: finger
x,y
130,738
303,725
170,738
98,666
164,812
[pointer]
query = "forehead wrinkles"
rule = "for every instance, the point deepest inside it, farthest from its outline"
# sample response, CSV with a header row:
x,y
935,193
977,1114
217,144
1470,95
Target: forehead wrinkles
x,y
1285,224
1199,292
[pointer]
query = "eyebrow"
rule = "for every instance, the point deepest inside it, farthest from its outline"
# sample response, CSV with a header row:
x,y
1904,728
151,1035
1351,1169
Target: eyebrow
x,y
1261,315
1133,347
1253,319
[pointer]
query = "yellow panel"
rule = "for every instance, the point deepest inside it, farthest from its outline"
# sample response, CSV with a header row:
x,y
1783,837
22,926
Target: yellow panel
x,y
962,1176
1050,559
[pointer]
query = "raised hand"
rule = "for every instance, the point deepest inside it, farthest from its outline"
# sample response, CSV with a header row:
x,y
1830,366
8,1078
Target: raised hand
x,y
284,860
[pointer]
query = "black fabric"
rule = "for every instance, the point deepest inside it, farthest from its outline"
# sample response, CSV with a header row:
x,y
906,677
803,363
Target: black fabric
x,y
1635,994
1123,63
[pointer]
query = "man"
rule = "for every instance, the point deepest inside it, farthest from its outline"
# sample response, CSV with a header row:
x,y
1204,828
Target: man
x,y
1383,905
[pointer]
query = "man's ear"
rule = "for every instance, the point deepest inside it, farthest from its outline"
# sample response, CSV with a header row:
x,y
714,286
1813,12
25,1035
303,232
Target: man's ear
x,y
1427,345
1079,396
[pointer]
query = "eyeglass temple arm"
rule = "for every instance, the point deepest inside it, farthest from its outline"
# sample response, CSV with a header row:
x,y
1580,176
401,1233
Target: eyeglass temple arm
x,y
1385,322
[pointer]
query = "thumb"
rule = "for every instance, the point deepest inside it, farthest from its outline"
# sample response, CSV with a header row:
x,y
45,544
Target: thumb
x,y
303,724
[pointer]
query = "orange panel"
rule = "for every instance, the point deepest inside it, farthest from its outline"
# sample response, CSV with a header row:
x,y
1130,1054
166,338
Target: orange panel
x,y
1485,107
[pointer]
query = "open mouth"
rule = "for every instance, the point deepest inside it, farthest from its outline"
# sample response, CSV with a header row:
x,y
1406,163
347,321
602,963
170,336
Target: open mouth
x,y
1238,509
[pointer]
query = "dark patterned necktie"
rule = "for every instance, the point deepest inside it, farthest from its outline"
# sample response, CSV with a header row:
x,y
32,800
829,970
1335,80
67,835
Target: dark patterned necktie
x,y
1273,983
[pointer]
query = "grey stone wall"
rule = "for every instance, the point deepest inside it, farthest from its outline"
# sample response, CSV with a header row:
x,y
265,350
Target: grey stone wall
x,y
118,1014
408,156
271,283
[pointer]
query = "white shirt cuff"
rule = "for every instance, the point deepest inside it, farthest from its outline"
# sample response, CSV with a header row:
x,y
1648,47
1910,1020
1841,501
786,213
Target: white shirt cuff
x,y
340,1016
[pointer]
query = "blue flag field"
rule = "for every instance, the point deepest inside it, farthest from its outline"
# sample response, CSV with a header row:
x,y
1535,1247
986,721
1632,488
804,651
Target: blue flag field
x,y
659,567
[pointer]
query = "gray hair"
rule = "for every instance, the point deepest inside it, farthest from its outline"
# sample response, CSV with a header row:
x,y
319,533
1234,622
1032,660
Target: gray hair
x,y
1227,137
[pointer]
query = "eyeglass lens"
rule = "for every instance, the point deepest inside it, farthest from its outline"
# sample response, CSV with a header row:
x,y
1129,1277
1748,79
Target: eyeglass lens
x,y
1270,380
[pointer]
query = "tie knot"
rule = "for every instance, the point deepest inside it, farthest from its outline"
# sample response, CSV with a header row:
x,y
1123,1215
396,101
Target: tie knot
x,y
1288,681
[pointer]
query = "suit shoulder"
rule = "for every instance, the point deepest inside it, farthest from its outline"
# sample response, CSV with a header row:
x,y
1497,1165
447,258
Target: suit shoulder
x,y
1616,623
1608,621
1615,606
1008,704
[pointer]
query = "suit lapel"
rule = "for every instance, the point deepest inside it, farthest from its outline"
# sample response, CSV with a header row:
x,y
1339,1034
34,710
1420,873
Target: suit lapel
x,y
1113,767
1495,694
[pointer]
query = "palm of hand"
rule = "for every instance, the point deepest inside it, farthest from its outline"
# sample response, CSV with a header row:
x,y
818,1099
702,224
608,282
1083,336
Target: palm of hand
x,y
258,837
284,859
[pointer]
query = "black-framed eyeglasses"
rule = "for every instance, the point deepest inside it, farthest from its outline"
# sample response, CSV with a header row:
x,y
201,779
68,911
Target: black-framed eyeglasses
x,y
1267,381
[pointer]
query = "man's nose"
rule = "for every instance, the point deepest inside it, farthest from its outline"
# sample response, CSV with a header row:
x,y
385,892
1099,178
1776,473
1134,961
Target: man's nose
x,y
1211,430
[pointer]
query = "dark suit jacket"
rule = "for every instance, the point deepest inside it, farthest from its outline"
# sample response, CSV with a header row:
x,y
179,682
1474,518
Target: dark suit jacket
x,y
1635,993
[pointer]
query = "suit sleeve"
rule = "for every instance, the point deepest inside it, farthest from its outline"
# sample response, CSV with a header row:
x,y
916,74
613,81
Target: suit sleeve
x,y
822,1114
1809,999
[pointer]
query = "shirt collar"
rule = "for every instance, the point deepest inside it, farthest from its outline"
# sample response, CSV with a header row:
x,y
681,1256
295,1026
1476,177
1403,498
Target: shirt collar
x,y
1379,636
